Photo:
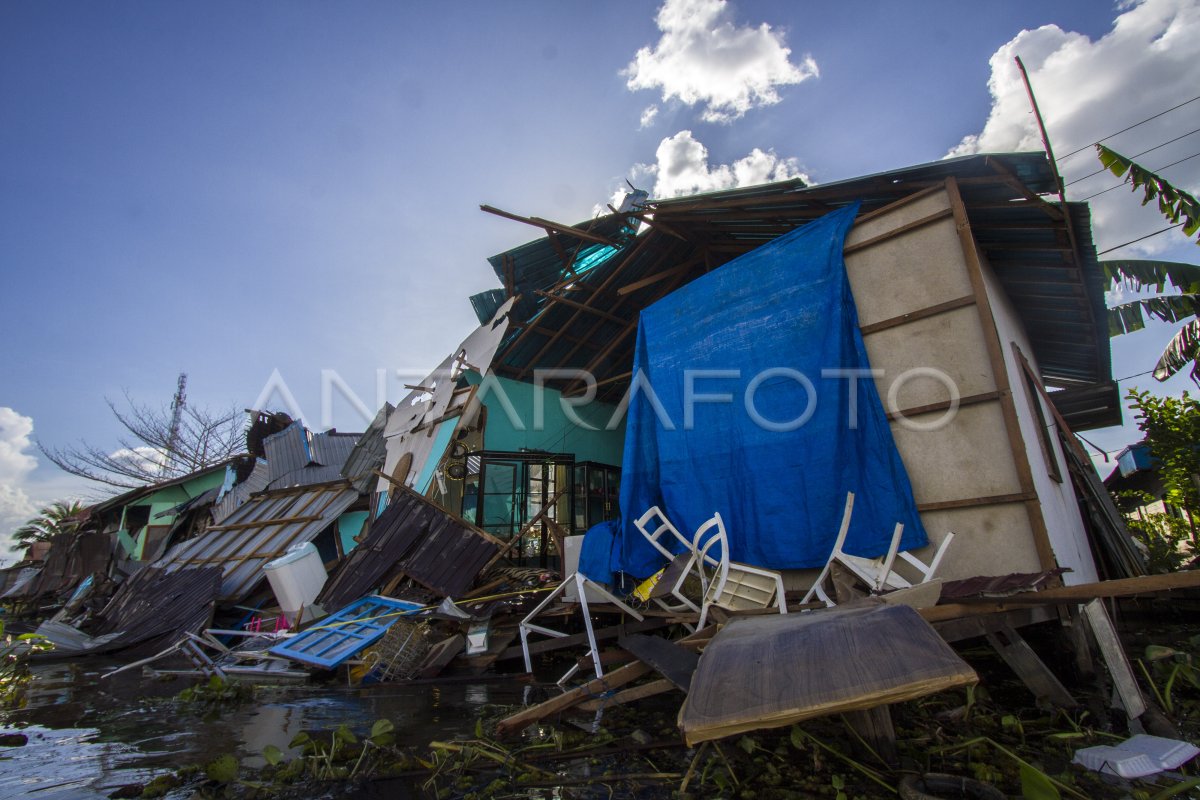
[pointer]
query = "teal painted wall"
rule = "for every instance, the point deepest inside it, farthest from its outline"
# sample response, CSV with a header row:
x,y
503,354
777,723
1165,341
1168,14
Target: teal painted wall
x,y
165,500
559,433
349,525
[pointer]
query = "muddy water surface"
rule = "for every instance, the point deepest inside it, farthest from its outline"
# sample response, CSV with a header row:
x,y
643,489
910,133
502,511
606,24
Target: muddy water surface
x,y
89,736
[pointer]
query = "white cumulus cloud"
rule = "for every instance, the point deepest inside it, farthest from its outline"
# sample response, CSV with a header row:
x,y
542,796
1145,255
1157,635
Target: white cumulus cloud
x,y
648,116
682,168
704,58
15,465
1090,89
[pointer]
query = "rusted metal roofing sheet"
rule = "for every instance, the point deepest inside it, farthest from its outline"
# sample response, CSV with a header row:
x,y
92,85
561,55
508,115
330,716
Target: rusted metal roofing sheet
x,y
155,602
449,558
262,529
149,607
416,538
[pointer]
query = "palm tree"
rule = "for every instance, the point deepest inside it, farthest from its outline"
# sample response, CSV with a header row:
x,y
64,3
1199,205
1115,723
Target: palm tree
x,y
1184,348
59,517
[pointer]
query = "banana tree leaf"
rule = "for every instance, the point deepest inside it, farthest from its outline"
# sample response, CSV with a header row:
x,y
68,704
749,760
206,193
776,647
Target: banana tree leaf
x,y
1181,351
1139,274
1130,317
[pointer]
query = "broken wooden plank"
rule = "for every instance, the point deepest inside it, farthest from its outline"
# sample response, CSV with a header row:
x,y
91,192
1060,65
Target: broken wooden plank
x,y
611,680
631,695
1064,595
618,677
1115,659
557,227
440,655
668,659
1032,671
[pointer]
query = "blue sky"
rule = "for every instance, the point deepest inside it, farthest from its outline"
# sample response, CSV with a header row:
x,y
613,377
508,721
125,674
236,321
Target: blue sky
x,y
228,189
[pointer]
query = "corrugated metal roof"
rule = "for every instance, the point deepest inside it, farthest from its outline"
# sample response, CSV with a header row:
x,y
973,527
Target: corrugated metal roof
x,y
72,557
449,558
368,453
289,450
412,537
155,603
1060,301
1089,407
134,495
298,457
261,530
256,482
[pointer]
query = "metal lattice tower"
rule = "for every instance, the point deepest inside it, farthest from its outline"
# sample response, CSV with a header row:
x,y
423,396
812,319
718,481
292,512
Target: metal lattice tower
x,y
177,404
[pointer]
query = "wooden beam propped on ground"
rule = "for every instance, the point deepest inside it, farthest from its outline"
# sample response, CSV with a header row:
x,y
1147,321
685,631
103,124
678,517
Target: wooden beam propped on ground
x,y
593,688
1032,671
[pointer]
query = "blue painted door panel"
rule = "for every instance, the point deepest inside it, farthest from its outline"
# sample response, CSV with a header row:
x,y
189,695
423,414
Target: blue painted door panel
x,y
346,633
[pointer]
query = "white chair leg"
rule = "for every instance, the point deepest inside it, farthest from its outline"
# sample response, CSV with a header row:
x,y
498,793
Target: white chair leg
x,y
885,569
525,647
819,590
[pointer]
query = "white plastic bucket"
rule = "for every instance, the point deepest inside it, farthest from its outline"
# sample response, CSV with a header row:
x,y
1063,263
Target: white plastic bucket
x,y
296,578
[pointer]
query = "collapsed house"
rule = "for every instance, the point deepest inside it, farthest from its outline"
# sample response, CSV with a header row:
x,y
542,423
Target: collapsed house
x,y
954,320
959,267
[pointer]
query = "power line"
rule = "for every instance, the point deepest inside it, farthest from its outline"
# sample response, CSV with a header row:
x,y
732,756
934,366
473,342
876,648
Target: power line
x,y
1124,182
1131,127
1140,238
1151,150
1140,374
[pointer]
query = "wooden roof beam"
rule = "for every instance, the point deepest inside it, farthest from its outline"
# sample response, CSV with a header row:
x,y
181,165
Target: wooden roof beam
x,y
558,227
608,280
630,288
553,298
1016,183
641,217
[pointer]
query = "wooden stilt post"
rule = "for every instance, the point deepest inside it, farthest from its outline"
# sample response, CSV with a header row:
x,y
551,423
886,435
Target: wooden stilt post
x,y
874,725
1032,671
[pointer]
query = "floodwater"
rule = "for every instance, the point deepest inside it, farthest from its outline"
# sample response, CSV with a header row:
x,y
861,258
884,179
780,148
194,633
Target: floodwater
x,y
90,736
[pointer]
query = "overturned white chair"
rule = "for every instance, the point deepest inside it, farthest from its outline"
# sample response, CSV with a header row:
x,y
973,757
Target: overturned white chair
x,y
583,585
654,526
730,585
877,573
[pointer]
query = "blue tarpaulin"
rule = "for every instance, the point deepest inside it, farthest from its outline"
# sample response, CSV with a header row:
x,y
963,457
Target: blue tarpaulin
x,y
596,555
768,440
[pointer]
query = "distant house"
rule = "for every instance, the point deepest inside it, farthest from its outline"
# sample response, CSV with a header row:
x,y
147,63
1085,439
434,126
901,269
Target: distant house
x,y
1136,485
141,519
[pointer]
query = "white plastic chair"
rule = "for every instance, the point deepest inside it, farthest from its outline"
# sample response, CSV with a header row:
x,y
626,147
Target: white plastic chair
x,y
654,525
728,584
876,573
582,584
818,587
